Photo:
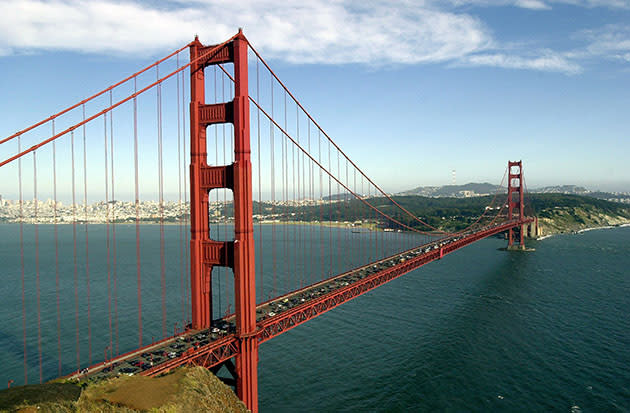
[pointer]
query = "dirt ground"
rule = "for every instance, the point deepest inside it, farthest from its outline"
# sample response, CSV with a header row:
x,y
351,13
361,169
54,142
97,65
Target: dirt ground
x,y
144,393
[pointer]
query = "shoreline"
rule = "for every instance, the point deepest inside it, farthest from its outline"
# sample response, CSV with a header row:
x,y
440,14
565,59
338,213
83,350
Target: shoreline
x,y
365,227
583,230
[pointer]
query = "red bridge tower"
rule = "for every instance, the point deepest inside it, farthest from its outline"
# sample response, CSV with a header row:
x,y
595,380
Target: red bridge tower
x,y
205,253
515,190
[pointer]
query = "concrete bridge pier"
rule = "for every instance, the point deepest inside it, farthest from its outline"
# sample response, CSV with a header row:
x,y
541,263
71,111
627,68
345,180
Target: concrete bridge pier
x,y
531,229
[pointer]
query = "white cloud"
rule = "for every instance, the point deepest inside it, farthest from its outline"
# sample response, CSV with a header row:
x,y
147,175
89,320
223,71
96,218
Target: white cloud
x,y
99,26
373,32
544,4
611,41
612,4
524,4
545,61
317,31
532,4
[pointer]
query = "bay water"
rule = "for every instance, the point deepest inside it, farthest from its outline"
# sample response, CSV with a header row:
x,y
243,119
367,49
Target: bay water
x,y
481,330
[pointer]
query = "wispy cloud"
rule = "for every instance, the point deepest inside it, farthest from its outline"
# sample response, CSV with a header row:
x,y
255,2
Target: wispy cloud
x,y
532,4
611,41
544,4
98,26
524,4
371,32
546,60
612,4
317,31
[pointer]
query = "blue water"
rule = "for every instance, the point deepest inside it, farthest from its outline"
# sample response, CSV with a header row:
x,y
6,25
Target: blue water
x,y
481,330
107,313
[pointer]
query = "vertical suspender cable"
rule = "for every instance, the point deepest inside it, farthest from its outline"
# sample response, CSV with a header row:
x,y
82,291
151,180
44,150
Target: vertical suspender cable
x,y
306,185
273,194
161,195
306,194
285,198
288,202
320,202
35,224
19,140
293,203
300,249
376,234
371,247
179,190
74,254
354,188
375,223
310,196
223,272
296,199
56,249
87,255
114,270
107,240
186,250
225,229
346,202
260,288
301,198
364,224
229,275
330,248
216,155
137,204
231,134
339,211
287,195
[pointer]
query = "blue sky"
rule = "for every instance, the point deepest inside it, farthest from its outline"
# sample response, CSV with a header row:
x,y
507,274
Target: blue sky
x,y
410,89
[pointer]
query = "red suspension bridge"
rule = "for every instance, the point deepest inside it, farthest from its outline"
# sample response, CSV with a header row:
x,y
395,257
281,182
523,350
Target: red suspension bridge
x,y
273,224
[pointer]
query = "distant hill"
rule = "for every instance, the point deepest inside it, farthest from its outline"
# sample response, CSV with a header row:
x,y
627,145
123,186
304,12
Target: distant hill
x,y
556,212
480,189
473,189
454,191
620,197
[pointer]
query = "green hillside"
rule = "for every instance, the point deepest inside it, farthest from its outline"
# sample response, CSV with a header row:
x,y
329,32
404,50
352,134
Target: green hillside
x,y
557,212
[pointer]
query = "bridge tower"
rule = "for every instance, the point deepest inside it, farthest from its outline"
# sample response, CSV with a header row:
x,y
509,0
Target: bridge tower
x,y
515,202
206,253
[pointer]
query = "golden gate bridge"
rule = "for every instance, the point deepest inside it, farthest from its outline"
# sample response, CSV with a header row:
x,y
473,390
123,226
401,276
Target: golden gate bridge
x,y
254,138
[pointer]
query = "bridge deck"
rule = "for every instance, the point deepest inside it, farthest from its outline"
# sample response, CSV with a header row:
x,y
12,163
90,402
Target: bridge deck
x,y
215,345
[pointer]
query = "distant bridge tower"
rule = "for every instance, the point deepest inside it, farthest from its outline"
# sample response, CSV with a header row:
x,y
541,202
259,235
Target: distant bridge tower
x,y
205,253
515,202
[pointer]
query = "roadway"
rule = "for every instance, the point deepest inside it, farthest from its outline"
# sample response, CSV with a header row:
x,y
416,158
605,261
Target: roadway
x,y
215,345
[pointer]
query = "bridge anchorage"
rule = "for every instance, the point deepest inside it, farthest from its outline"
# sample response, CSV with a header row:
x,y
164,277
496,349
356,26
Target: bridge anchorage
x,y
382,247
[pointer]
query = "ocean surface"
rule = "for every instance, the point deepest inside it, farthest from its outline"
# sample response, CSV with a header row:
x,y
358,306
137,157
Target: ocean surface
x,y
481,330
